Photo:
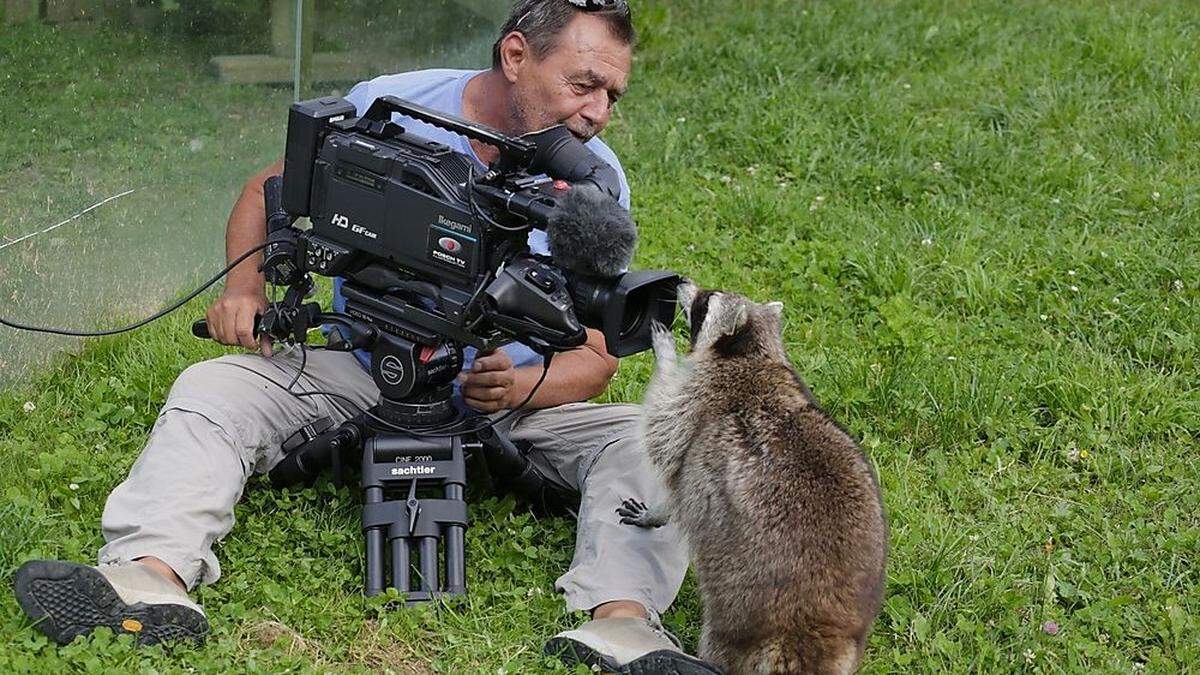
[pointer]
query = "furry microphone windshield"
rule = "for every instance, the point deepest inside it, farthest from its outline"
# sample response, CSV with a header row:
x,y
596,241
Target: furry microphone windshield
x,y
590,233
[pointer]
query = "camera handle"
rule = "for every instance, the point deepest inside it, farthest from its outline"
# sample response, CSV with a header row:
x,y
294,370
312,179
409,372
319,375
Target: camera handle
x,y
517,152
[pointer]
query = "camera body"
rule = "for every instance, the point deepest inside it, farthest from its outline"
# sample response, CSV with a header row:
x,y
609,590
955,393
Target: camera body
x,y
433,249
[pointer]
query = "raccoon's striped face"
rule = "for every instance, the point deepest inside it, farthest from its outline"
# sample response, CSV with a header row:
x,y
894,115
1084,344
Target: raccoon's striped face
x,y
728,323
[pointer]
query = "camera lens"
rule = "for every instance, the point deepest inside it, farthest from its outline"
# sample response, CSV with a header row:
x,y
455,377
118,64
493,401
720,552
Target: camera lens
x,y
621,307
636,305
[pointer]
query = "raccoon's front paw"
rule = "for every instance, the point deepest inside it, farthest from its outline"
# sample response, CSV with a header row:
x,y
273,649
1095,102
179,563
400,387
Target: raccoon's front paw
x,y
663,341
634,512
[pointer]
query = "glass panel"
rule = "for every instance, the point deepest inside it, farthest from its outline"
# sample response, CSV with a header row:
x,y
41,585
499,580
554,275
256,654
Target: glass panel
x,y
129,129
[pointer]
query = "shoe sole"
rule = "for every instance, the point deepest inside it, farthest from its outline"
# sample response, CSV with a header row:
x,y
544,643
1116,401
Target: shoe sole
x,y
661,662
66,600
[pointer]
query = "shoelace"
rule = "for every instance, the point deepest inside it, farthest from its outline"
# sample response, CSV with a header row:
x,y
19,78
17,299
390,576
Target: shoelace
x,y
657,627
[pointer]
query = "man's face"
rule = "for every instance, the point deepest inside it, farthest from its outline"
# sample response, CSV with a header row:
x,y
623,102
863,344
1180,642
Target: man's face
x,y
576,83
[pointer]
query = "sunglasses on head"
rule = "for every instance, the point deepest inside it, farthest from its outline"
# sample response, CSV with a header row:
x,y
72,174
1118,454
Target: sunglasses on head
x,y
590,6
598,5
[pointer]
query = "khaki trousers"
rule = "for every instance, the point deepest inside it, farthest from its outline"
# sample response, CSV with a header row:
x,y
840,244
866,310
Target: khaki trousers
x,y
226,418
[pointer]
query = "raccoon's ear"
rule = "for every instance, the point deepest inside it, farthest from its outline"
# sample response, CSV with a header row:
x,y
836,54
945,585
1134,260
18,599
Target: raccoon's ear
x,y
775,308
738,319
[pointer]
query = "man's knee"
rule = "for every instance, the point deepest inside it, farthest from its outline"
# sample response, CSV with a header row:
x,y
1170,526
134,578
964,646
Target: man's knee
x,y
241,396
621,458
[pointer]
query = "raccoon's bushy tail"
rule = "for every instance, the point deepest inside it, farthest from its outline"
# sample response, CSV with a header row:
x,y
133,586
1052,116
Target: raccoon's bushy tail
x,y
815,655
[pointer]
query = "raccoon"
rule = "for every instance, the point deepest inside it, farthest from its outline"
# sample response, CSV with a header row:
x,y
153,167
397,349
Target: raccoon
x,y
780,507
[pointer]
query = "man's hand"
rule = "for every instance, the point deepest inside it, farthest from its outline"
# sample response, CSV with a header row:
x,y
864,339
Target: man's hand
x,y
488,386
231,319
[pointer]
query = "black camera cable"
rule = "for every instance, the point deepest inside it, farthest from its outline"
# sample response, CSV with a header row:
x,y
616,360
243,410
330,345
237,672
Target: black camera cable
x,y
478,212
303,355
154,317
437,431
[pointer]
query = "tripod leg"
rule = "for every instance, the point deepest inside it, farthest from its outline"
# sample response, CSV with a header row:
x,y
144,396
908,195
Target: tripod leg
x,y
429,564
456,564
375,536
401,564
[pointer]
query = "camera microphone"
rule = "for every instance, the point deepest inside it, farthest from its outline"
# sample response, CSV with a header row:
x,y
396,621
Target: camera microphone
x,y
590,233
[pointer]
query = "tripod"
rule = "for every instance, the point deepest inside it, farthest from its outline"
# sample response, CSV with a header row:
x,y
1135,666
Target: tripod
x,y
412,529
409,443
410,448
419,539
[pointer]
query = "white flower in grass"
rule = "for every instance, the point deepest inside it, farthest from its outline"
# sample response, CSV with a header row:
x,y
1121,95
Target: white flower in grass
x,y
1070,273
927,241
1116,300
1154,195
1074,289
73,486
906,85
1029,655
752,169
937,166
951,358
817,202
29,407
1055,200
1043,317
681,120
1177,285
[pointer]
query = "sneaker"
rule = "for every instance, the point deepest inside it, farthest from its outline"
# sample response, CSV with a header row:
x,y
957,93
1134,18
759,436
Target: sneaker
x,y
626,646
66,600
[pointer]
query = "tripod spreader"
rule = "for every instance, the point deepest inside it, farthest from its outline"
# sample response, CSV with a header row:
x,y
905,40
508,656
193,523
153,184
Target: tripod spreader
x,y
409,530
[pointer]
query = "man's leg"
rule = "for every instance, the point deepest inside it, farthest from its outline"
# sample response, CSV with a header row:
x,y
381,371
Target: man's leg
x,y
626,575
223,420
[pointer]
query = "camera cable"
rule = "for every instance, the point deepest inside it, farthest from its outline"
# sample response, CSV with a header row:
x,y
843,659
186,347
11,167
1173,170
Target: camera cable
x,y
154,317
444,430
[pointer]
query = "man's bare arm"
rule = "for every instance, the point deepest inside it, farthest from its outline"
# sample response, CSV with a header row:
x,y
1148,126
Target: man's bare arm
x,y
493,384
231,317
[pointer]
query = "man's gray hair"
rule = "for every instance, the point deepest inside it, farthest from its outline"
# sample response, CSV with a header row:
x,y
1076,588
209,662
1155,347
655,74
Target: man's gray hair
x,y
542,21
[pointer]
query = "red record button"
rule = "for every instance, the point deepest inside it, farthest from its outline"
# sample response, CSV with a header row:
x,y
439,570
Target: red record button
x,y
449,244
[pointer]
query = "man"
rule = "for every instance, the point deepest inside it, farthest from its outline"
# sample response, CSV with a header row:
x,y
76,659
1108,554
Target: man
x,y
557,61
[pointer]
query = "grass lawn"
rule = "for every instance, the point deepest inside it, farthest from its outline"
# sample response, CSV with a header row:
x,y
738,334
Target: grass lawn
x,y
981,218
